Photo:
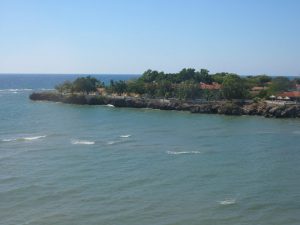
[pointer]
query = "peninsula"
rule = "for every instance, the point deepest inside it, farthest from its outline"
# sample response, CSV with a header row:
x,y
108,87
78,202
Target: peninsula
x,y
188,90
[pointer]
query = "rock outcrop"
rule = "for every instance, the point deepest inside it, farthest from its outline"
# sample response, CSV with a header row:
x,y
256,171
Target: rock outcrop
x,y
217,107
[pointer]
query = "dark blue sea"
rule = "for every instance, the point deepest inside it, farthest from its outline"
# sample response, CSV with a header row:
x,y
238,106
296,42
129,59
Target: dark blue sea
x,y
70,164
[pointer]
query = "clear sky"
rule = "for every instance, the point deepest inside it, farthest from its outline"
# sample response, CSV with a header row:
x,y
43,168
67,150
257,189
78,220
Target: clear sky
x,y
130,36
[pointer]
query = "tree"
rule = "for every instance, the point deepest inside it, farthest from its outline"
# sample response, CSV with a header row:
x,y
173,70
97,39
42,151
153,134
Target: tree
x,y
165,89
149,76
187,90
219,77
86,84
136,86
263,79
203,76
297,80
67,86
280,84
233,87
59,88
150,89
118,87
185,74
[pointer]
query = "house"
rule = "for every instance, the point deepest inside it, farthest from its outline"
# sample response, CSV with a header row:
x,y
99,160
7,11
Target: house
x,y
293,95
298,87
258,89
213,86
101,91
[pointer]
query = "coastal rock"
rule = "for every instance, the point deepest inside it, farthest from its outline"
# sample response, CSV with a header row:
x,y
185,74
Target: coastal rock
x,y
289,112
221,107
230,109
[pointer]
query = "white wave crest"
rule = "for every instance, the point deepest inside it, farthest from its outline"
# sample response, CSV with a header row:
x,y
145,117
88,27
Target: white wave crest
x,y
227,202
33,138
110,105
47,89
125,136
183,152
8,139
15,90
82,142
111,142
23,138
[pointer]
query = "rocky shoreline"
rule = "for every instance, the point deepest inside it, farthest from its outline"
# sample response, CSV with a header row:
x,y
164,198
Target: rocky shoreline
x,y
217,107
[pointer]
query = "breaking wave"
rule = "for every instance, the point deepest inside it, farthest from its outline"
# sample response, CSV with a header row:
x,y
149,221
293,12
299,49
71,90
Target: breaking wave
x,y
125,136
82,142
227,202
11,90
24,138
183,152
33,138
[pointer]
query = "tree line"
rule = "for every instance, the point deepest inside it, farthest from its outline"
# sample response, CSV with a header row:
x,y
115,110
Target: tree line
x,y
184,85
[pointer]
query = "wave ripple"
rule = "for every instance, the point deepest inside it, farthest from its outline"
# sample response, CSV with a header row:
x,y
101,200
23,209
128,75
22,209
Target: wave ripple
x,y
182,152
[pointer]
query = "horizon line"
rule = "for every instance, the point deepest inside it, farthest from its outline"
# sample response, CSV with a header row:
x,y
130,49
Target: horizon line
x,y
131,74
111,74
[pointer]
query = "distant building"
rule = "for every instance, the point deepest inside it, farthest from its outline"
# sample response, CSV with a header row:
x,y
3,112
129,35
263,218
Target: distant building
x,y
293,95
298,87
258,89
101,91
213,86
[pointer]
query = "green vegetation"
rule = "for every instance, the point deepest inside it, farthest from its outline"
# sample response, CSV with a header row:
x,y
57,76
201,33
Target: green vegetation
x,y
234,87
280,84
186,84
83,85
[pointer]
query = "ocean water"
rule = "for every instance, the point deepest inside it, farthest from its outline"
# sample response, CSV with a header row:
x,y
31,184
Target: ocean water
x,y
70,164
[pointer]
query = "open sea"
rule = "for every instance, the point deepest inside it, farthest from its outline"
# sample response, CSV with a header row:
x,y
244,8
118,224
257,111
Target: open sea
x,y
68,164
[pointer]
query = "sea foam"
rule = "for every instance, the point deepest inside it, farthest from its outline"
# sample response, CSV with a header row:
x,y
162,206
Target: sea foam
x,y
227,202
182,152
32,138
24,138
15,90
111,142
125,136
82,142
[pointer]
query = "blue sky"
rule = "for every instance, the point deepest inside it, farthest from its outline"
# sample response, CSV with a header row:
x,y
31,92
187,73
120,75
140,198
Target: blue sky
x,y
131,36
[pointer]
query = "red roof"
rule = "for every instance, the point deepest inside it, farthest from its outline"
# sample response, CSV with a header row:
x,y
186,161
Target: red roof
x,y
258,88
291,94
213,86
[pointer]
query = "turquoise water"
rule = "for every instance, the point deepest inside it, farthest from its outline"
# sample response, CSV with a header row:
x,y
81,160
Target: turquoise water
x,y
68,164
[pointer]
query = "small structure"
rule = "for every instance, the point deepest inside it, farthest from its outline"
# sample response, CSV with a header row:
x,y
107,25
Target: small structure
x,y
101,91
213,86
292,95
298,87
258,89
